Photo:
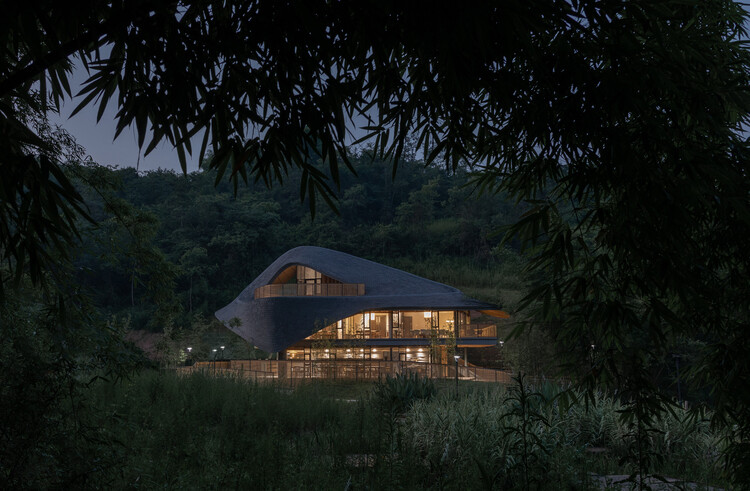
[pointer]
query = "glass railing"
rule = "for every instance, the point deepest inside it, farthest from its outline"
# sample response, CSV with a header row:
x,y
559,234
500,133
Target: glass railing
x,y
311,290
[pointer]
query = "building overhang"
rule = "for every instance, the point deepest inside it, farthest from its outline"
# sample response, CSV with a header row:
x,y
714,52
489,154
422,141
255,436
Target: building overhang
x,y
394,342
275,323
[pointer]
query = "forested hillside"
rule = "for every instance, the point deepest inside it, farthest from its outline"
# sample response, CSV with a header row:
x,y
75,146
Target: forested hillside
x,y
170,248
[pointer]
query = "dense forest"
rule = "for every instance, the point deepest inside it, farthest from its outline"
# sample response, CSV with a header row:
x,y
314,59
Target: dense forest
x,y
621,125
169,249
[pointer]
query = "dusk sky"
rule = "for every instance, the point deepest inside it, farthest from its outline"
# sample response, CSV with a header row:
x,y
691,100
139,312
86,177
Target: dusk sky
x,y
98,139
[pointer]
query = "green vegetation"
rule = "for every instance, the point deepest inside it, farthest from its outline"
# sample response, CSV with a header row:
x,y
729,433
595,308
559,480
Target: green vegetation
x,y
198,432
620,126
169,247
396,394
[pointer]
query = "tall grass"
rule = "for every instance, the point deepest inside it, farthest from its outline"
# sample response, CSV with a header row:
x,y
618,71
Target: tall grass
x,y
480,434
198,432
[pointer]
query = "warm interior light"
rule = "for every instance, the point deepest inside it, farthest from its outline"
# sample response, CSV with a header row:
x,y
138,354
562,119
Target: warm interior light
x,y
407,350
427,315
348,351
361,350
326,351
420,350
374,350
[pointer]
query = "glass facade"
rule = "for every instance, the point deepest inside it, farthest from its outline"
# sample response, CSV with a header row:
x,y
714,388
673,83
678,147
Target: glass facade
x,y
395,353
415,335
395,325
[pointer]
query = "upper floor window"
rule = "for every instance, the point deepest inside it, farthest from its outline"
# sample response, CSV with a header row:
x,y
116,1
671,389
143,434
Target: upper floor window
x,y
298,280
308,276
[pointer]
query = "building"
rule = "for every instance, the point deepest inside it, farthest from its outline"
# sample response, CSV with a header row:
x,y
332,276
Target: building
x,y
315,303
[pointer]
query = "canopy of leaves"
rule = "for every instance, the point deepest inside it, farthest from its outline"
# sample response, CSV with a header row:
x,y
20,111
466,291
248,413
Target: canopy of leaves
x,y
633,110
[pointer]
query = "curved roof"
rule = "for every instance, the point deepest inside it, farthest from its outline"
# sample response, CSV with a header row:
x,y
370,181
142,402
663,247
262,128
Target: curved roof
x,y
275,323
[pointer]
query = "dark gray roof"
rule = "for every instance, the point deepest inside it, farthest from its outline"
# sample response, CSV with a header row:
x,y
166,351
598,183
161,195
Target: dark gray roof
x,y
275,323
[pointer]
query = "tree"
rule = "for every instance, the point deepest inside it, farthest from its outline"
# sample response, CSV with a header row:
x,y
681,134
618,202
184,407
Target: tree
x,y
629,112
193,263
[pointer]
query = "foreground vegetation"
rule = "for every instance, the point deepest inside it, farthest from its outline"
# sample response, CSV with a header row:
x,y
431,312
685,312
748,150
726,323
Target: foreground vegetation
x,y
631,115
199,432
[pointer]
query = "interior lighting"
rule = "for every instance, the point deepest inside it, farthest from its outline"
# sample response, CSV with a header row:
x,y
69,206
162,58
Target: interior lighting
x,y
407,350
372,316
427,315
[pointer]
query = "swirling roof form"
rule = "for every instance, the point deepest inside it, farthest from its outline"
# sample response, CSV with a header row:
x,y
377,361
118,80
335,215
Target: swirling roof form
x,y
275,323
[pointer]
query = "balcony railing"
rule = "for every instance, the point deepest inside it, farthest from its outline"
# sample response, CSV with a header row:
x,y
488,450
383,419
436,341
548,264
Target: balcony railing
x,y
477,331
278,370
464,331
311,290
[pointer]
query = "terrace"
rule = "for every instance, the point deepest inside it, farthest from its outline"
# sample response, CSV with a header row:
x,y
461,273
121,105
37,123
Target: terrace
x,y
404,325
310,289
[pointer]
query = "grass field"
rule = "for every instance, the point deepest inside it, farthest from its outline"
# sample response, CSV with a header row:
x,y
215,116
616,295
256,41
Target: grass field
x,y
200,432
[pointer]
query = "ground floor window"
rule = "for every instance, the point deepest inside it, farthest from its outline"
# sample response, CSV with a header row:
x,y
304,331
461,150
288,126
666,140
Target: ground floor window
x,y
423,354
